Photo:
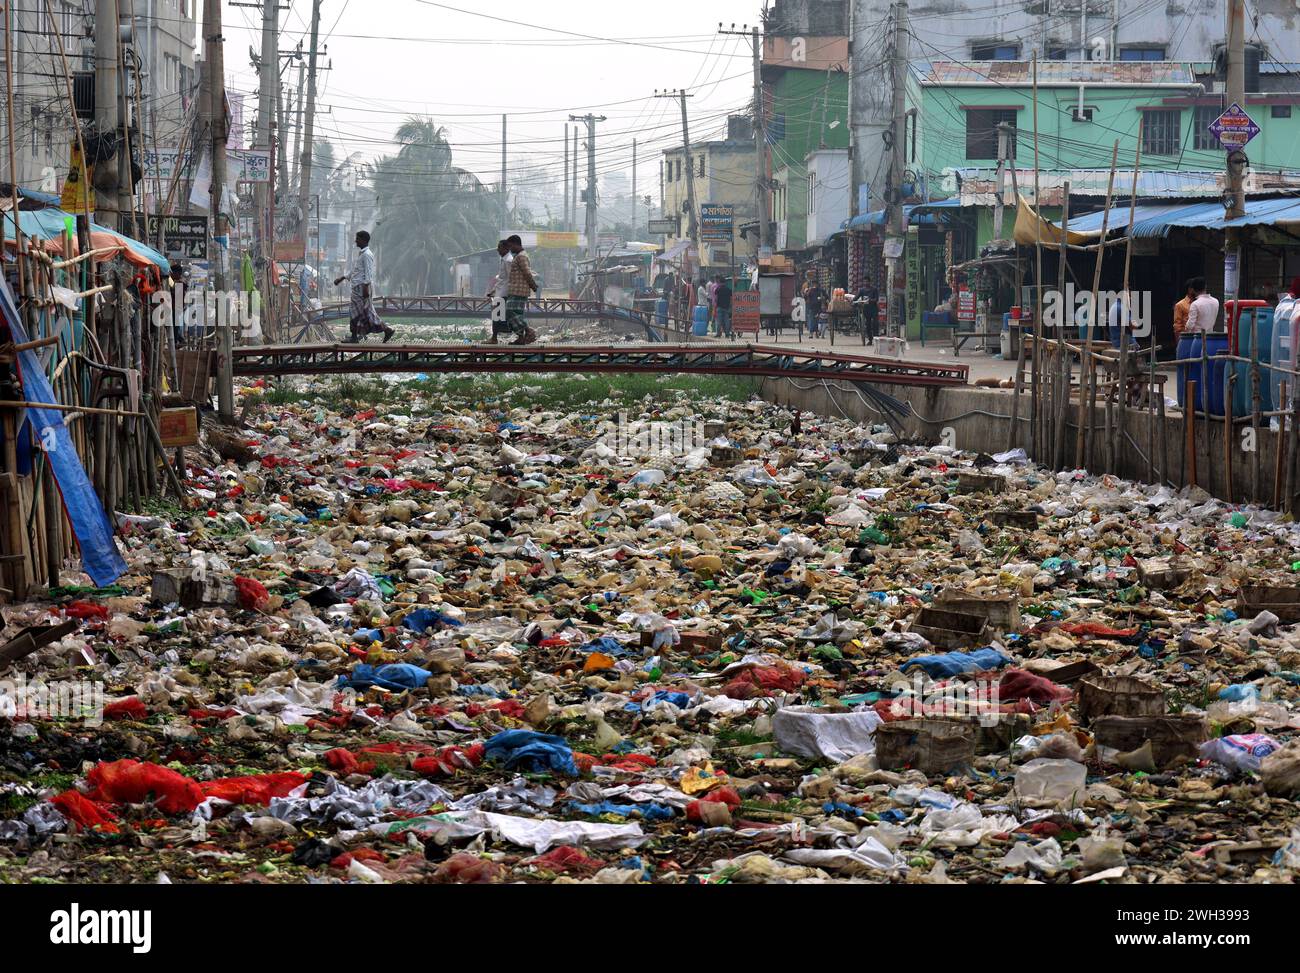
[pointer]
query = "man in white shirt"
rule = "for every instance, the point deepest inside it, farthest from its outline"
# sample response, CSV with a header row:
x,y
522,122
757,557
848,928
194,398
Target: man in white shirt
x,y
1204,312
364,319
500,290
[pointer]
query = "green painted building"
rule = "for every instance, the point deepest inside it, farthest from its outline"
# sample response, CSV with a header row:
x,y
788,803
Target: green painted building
x,y
807,111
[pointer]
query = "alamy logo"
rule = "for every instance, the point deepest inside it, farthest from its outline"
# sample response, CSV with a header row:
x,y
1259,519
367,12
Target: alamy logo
x,y
647,440
1075,309
75,927
199,309
58,699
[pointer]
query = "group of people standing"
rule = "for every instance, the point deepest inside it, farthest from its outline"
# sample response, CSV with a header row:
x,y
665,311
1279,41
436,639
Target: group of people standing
x,y
684,294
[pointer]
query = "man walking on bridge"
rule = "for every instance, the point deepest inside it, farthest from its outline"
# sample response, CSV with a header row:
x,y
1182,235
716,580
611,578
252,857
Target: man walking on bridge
x,y
522,283
363,319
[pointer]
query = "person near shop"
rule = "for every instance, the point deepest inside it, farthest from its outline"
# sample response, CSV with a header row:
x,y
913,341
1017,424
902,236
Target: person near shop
x,y
363,319
1182,309
1204,312
522,283
868,303
499,291
814,299
722,307
1117,321
710,293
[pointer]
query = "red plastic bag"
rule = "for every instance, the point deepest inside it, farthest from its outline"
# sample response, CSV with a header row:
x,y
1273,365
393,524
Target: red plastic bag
x,y
131,708
86,610
1016,684
566,858
449,760
74,806
253,790
463,868
253,595
131,782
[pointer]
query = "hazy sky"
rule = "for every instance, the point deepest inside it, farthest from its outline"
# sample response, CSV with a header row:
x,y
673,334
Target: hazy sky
x,y
393,58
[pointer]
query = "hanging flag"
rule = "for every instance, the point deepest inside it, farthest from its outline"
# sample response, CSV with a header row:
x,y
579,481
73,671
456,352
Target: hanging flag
x,y
76,189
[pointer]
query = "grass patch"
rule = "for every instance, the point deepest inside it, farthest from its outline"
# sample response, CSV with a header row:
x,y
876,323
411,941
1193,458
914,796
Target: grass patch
x,y
560,391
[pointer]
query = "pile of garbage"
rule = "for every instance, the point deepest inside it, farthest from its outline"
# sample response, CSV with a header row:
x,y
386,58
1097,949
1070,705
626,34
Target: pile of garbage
x,y
477,640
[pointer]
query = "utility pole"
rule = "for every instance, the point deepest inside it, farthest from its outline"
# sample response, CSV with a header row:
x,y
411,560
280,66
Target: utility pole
x,y
505,205
591,121
634,234
264,199
564,224
897,231
107,83
762,180
1234,198
213,106
692,209
125,182
296,177
308,121
573,194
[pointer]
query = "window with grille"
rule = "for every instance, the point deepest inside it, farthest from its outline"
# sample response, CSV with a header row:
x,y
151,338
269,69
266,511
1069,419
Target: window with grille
x,y
1161,133
994,52
701,172
1202,138
1280,111
1146,53
982,133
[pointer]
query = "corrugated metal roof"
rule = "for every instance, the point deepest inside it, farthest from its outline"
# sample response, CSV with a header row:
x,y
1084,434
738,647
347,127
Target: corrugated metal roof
x,y
1054,73
1156,220
1210,216
977,184
877,217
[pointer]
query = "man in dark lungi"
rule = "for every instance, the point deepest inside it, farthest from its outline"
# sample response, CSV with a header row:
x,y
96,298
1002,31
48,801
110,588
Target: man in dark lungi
x,y
363,319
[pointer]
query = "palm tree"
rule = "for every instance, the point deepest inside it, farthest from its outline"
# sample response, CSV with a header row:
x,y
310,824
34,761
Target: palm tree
x,y
429,210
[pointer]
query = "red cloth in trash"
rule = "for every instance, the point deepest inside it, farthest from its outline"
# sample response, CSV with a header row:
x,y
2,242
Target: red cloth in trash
x,y
85,610
764,681
74,806
132,782
1016,684
463,868
449,760
131,708
566,858
258,789
253,595
1097,630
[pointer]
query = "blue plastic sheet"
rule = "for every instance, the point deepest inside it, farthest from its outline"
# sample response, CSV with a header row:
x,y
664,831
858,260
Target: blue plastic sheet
x,y
395,676
955,663
648,811
607,644
531,751
423,619
100,557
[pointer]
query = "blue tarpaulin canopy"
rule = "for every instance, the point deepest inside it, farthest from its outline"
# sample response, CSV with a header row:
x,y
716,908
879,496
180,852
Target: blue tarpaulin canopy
x,y
1157,219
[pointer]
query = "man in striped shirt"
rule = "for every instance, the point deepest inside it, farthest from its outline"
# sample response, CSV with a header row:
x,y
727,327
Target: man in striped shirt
x,y
522,283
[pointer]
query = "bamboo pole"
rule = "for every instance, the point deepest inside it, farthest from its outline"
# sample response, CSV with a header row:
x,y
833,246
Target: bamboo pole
x,y
1036,386
1064,363
1227,432
1084,439
1279,453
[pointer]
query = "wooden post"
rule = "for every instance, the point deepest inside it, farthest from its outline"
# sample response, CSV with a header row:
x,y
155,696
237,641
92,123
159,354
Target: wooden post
x,y
1089,366
1227,431
1189,430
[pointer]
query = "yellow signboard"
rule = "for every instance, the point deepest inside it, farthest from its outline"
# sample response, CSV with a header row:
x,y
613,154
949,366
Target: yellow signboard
x,y
76,190
557,241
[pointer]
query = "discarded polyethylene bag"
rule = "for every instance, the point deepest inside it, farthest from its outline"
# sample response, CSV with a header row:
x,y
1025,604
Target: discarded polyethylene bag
x,y
809,732
531,751
955,663
1242,753
423,619
395,676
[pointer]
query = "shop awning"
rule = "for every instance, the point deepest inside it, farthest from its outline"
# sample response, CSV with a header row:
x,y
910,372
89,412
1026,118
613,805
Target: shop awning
x,y
922,218
1029,227
1157,219
48,224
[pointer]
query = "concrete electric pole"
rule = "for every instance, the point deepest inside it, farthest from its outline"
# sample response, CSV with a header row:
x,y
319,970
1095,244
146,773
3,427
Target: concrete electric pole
x,y
591,121
213,106
268,83
1234,198
308,124
897,231
692,207
107,83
